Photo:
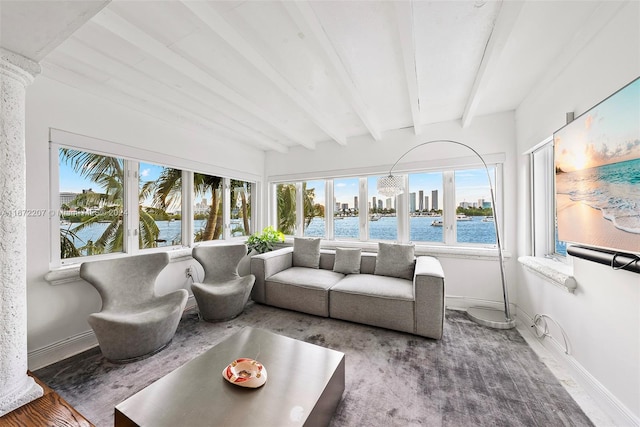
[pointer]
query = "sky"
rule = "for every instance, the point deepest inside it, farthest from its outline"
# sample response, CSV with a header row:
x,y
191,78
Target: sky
x,y
608,133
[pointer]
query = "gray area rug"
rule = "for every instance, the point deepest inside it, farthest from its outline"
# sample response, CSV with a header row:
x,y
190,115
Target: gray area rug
x,y
474,376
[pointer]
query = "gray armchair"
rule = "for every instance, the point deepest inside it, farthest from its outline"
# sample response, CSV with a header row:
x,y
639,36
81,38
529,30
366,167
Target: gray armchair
x,y
134,323
223,293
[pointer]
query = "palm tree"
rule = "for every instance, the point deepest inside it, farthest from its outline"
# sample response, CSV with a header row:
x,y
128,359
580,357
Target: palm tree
x,y
108,173
286,197
243,188
167,190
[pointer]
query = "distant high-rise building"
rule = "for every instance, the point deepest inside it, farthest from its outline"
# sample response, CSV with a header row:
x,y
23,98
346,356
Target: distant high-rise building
x,y
486,205
67,197
412,202
426,202
355,202
345,207
379,204
434,200
375,205
421,199
387,203
337,206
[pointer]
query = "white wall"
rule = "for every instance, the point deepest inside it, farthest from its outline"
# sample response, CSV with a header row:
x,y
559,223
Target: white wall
x,y
602,319
57,314
487,134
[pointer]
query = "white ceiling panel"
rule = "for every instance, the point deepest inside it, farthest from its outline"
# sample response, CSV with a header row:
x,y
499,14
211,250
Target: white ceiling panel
x,y
279,74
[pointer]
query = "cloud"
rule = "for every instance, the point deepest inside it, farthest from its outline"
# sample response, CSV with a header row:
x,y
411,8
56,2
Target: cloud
x,y
341,184
145,173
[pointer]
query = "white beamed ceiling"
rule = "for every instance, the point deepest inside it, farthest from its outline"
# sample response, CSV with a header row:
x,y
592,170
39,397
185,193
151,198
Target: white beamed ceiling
x,y
275,75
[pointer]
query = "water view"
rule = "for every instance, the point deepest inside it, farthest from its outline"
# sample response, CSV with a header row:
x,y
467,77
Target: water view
x,y
476,229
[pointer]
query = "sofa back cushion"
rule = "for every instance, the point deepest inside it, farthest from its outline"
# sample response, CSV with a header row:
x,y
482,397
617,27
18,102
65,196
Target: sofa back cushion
x,y
395,260
306,252
347,260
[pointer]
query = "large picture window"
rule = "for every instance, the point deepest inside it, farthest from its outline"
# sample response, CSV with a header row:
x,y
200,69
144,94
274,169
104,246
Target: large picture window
x,y
346,223
207,208
160,206
122,204
449,206
425,207
474,214
313,193
91,203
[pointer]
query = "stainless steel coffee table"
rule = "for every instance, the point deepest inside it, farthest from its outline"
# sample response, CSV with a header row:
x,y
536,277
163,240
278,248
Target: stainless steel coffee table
x,y
304,385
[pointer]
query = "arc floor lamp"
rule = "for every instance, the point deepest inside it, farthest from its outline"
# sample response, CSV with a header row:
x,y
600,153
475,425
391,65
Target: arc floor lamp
x,y
393,185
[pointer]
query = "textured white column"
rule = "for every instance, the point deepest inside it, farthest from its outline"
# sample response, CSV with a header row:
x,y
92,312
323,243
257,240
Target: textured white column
x,y
16,387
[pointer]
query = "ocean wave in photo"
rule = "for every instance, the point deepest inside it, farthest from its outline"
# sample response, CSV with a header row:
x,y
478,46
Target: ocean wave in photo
x,y
613,189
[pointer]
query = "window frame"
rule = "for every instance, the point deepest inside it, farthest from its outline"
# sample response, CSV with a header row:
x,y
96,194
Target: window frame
x,y
543,200
132,157
447,166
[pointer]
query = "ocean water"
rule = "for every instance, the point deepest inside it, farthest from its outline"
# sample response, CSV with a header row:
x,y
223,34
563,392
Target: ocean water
x,y
421,230
612,189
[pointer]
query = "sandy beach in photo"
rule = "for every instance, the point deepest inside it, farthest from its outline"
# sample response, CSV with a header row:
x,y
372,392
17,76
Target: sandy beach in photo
x,y
578,222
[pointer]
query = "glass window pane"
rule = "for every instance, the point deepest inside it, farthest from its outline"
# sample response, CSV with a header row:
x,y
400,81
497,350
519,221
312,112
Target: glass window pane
x,y
160,195
314,217
91,203
382,213
207,207
474,214
286,208
240,208
425,207
345,196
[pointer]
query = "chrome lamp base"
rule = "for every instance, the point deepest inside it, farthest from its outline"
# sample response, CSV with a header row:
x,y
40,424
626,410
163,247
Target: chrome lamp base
x,y
490,317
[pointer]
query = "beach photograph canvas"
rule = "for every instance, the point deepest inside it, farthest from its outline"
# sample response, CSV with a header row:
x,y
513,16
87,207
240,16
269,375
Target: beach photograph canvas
x,y
597,162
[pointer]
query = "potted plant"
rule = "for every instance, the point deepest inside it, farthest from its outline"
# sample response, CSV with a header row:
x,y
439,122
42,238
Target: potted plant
x,y
264,241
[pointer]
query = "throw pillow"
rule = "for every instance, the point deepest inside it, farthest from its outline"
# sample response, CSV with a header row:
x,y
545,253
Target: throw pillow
x,y
347,260
306,252
395,260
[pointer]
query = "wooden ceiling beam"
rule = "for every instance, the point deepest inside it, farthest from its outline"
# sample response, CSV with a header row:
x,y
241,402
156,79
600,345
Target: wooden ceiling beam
x,y
151,46
126,95
219,25
502,29
405,23
168,97
305,18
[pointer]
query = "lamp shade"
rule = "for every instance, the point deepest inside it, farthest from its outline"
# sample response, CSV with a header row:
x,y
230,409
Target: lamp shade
x,y
390,186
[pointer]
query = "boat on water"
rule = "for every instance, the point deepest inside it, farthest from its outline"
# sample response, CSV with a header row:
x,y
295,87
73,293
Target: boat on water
x,y
437,223
463,218
488,219
374,217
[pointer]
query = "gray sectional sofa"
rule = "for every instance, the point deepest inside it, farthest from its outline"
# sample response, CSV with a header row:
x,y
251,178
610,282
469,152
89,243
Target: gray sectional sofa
x,y
405,297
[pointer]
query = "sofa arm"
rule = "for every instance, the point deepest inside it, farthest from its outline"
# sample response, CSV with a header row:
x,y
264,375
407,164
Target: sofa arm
x,y
428,283
266,265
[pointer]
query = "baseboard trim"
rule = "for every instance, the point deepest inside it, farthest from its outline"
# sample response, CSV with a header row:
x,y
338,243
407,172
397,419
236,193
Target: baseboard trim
x,y
608,403
71,346
60,350
463,303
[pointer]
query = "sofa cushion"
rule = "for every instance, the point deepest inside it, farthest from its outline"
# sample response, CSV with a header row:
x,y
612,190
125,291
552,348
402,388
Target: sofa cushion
x,y
347,260
306,252
306,278
376,286
395,260
302,289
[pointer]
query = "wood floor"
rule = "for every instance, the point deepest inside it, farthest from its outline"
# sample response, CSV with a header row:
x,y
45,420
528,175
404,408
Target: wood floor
x,y
50,410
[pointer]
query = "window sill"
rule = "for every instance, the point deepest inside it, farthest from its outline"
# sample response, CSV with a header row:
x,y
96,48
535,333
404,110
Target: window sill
x,y
556,272
69,274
